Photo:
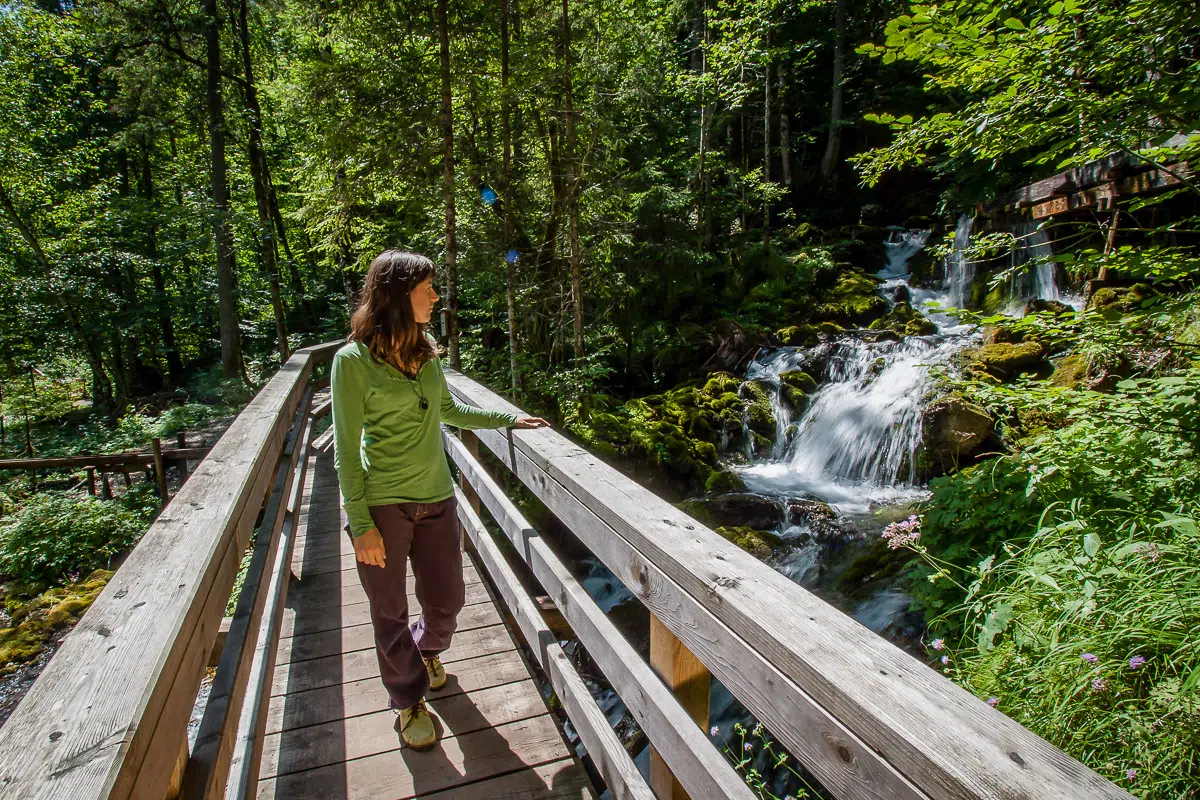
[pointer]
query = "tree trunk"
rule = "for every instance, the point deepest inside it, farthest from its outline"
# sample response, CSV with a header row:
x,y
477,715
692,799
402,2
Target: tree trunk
x,y
572,188
706,114
767,142
162,301
785,131
261,178
102,390
833,144
231,346
509,263
448,186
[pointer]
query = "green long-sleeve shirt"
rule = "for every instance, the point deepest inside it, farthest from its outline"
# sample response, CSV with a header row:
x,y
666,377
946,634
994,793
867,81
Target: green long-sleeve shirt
x,y
387,449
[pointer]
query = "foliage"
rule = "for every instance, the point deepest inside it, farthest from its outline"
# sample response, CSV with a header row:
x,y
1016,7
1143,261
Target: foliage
x,y
765,765
53,535
1049,82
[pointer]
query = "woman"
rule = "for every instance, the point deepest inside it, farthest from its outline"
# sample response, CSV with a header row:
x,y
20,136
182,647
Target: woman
x,y
389,398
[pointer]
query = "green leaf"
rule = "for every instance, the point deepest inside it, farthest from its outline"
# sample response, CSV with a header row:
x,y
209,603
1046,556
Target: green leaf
x,y
1014,23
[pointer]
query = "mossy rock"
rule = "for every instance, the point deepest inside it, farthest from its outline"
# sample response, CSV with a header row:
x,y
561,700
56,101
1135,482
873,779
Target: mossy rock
x,y
798,336
1005,361
798,379
760,544
830,328
857,296
1070,372
43,617
759,415
1120,297
724,482
904,320
954,429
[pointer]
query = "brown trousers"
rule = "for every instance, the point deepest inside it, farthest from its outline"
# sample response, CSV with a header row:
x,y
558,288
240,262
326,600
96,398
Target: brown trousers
x,y
427,534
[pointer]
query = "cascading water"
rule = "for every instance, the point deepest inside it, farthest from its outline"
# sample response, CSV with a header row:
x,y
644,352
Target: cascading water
x,y
960,271
855,445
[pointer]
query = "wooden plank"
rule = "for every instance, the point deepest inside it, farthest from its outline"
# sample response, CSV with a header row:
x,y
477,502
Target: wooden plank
x,y
335,584
558,780
690,682
365,735
243,767
877,709
101,461
477,641
404,773
112,705
336,617
160,474
299,676
208,767
608,754
366,695
348,594
658,712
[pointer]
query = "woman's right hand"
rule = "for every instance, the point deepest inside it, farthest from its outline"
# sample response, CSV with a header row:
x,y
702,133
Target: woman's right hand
x,y
368,548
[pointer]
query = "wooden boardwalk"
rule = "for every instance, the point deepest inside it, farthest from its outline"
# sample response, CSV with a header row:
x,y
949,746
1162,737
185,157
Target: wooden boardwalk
x,y
329,734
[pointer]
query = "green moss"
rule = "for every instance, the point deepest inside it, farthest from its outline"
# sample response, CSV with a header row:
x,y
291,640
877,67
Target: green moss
x,y
854,299
798,335
42,617
798,379
722,482
760,544
1005,361
1070,371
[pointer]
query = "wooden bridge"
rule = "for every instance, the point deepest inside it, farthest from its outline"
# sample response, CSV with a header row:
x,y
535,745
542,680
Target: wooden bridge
x,y
296,709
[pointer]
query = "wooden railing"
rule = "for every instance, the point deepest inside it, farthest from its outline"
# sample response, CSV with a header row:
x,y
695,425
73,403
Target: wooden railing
x,y
865,718
108,716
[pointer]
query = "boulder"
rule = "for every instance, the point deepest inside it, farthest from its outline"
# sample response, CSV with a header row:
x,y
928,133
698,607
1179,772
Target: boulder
x,y
759,544
1122,298
819,518
1053,306
1070,372
954,430
742,508
798,336
1005,361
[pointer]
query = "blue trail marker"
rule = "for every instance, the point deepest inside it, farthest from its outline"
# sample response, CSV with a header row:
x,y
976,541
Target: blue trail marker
x,y
511,256
488,194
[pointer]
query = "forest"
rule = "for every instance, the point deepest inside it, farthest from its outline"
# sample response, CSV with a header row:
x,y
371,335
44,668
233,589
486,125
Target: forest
x,y
899,297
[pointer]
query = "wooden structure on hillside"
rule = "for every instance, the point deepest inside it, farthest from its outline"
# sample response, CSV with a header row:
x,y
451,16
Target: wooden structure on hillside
x,y
295,709
1096,186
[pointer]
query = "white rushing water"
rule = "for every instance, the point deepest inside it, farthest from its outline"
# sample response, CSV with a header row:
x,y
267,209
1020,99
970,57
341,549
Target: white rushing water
x,y
960,270
855,444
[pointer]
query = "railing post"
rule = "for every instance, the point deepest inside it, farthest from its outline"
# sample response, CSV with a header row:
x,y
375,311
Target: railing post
x,y
690,681
471,443
160,472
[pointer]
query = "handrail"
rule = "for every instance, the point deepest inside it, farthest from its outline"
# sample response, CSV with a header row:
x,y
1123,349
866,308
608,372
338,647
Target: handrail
x,y
867,719
108,716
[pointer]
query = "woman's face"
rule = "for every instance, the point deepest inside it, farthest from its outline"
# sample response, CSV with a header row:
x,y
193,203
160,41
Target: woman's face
x,y
423,298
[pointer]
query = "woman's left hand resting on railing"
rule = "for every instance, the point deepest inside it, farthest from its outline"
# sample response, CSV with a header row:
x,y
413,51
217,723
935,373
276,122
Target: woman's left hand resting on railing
x,y
531,422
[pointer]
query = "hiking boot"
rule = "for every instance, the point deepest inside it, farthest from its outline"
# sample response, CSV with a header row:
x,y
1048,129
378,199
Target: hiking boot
x,y
437,673
415,727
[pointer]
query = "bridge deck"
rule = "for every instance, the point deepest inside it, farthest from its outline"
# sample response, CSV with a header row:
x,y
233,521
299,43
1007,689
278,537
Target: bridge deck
x,y
329,735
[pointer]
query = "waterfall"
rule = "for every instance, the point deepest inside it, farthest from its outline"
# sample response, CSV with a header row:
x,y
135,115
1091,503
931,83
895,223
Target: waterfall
x,y
1040,283
901,245
960,272
856,442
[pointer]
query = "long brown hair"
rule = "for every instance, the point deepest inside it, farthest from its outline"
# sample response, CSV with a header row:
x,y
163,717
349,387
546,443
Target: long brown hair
x,y
384,319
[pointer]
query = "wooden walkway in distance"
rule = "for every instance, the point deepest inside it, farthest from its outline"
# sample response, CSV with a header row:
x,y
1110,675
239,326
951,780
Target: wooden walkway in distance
x,y
329,733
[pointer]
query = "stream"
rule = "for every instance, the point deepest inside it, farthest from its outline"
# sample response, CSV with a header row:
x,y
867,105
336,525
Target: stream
x,y
851,454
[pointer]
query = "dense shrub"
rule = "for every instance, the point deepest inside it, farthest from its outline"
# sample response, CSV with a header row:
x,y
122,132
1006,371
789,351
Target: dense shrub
x,y
54,535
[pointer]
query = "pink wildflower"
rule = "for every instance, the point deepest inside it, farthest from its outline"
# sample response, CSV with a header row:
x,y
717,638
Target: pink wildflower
x,y
945,660
993,701
1148,551
1091,658
1136,662
938,644
1131,774
1099,685
714,730
748,747
903,533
